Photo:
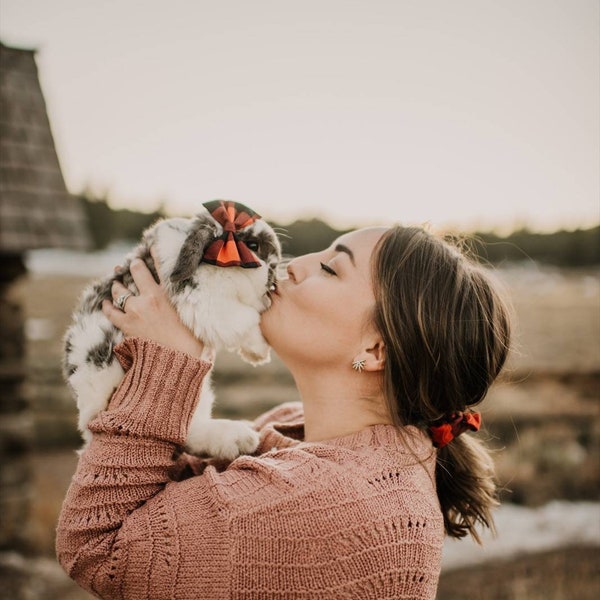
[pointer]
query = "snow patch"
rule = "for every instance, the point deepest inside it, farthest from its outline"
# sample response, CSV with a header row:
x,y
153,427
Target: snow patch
x,y
523,530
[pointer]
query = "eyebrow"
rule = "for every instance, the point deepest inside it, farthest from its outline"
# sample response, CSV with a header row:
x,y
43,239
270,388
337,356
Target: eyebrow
x,y
342,248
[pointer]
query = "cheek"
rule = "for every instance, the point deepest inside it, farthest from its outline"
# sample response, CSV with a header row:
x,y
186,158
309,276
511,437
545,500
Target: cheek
x,y
292,325
277,324
308,329
314,323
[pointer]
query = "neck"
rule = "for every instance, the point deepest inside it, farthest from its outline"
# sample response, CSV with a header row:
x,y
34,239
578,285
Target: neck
x,y
338,405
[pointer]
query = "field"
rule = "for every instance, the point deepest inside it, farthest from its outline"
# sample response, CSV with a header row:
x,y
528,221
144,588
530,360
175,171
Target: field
x,y
542,418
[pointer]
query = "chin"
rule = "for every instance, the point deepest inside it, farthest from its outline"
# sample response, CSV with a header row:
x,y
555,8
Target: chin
x,y
265,324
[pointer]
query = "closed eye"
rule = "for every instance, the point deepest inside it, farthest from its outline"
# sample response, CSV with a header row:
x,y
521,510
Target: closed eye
x,y
327,269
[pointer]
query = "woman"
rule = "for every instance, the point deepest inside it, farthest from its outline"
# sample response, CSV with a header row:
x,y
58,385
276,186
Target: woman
x,y
391,335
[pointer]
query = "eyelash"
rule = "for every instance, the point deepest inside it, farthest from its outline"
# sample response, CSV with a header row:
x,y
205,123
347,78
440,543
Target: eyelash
x,y
327,269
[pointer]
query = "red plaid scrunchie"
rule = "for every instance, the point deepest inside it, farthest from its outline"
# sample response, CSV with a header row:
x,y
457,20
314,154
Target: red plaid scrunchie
x,y
447,428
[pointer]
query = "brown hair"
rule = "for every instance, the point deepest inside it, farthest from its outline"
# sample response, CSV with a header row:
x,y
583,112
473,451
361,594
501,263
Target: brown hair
x,y
446,331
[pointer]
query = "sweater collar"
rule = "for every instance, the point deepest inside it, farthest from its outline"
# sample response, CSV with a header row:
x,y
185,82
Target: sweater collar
x,y
407,439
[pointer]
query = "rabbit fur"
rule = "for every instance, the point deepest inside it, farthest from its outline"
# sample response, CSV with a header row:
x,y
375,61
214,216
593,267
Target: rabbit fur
x,y
220,305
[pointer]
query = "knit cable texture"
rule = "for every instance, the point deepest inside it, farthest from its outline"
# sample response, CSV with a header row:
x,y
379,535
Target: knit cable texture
x,y
353,517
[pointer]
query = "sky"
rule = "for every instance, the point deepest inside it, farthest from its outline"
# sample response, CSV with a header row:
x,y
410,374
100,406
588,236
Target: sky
x,y
470,114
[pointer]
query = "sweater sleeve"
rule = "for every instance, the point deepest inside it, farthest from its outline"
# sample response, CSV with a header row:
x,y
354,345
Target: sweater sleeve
x,y
115,530
282,413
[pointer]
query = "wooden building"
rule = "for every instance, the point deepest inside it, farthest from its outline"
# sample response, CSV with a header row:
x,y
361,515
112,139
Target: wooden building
x,y
36,211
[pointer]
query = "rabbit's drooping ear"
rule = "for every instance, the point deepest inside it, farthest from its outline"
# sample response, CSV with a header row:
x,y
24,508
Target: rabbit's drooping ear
x,y
192,250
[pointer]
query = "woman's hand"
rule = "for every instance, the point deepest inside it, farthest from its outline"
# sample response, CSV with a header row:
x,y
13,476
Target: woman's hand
x,y
150,315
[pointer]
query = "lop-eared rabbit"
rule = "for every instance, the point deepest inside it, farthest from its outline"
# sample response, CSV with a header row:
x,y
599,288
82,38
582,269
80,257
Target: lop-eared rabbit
x,y
217,268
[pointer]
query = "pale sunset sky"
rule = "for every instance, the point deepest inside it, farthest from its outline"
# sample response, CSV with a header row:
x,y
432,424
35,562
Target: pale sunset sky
x,y
466,114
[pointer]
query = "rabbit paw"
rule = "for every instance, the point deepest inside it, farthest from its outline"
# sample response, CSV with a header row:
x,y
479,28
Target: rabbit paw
x,y
221,438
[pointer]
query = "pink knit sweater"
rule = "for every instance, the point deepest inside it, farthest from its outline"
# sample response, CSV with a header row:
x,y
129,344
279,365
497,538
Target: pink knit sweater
x,y
351,517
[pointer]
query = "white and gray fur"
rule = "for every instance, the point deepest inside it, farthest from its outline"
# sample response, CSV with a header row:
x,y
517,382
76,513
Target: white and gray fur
x,y
221,306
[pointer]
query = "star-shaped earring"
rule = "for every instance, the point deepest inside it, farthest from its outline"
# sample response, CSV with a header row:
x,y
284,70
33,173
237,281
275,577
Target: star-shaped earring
x,y
359,365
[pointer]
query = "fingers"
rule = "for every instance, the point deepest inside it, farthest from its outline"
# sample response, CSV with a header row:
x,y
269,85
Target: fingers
x,y
142,276
118,291
151,316
113,314
154,254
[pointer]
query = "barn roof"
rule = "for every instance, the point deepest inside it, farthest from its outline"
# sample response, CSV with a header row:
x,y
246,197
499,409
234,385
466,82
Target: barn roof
x,y
36,210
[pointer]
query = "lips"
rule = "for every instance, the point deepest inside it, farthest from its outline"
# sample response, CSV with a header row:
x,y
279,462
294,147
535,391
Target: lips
x,y
275,290
274,286
270,295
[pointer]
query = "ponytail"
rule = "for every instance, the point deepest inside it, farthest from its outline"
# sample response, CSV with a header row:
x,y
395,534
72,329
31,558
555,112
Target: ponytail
x,y
446,332
466,487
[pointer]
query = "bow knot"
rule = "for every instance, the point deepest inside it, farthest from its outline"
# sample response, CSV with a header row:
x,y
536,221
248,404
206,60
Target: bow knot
x,y
229,250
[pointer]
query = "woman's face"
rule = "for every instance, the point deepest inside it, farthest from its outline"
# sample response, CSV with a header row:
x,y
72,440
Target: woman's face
x,y
320,314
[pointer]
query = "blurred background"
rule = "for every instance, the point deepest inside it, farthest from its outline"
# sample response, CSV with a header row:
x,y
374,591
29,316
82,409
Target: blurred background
x,y
478,118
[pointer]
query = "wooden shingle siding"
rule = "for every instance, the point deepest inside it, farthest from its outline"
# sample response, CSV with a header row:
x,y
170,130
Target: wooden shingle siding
x,y
36,210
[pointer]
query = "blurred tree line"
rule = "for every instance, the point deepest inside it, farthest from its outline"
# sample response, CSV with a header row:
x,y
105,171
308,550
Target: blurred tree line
x,y
107,224
577,248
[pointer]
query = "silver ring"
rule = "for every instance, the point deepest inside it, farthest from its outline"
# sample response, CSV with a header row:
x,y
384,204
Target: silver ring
x,y
120,301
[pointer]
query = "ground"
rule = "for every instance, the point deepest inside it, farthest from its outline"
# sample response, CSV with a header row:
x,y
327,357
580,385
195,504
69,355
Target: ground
x,y
541,418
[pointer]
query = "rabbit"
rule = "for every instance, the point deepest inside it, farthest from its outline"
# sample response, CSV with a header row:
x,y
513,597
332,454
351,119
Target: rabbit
x,y
218,269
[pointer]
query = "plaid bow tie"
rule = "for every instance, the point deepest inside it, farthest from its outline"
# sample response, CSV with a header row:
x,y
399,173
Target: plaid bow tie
x,y
228,250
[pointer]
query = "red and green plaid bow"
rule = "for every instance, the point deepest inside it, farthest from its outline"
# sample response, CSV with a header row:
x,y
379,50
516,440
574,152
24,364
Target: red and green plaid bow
x,y
228,250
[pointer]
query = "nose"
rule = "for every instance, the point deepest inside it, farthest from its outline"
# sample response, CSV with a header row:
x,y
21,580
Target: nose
x,y
291,270
301,267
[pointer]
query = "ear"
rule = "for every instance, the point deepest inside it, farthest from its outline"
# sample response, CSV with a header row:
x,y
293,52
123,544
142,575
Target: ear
x,y
191,251
373,356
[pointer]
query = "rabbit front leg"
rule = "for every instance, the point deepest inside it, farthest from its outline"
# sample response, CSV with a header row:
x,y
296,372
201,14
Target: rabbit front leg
x,y
93,387
254,348
220,438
